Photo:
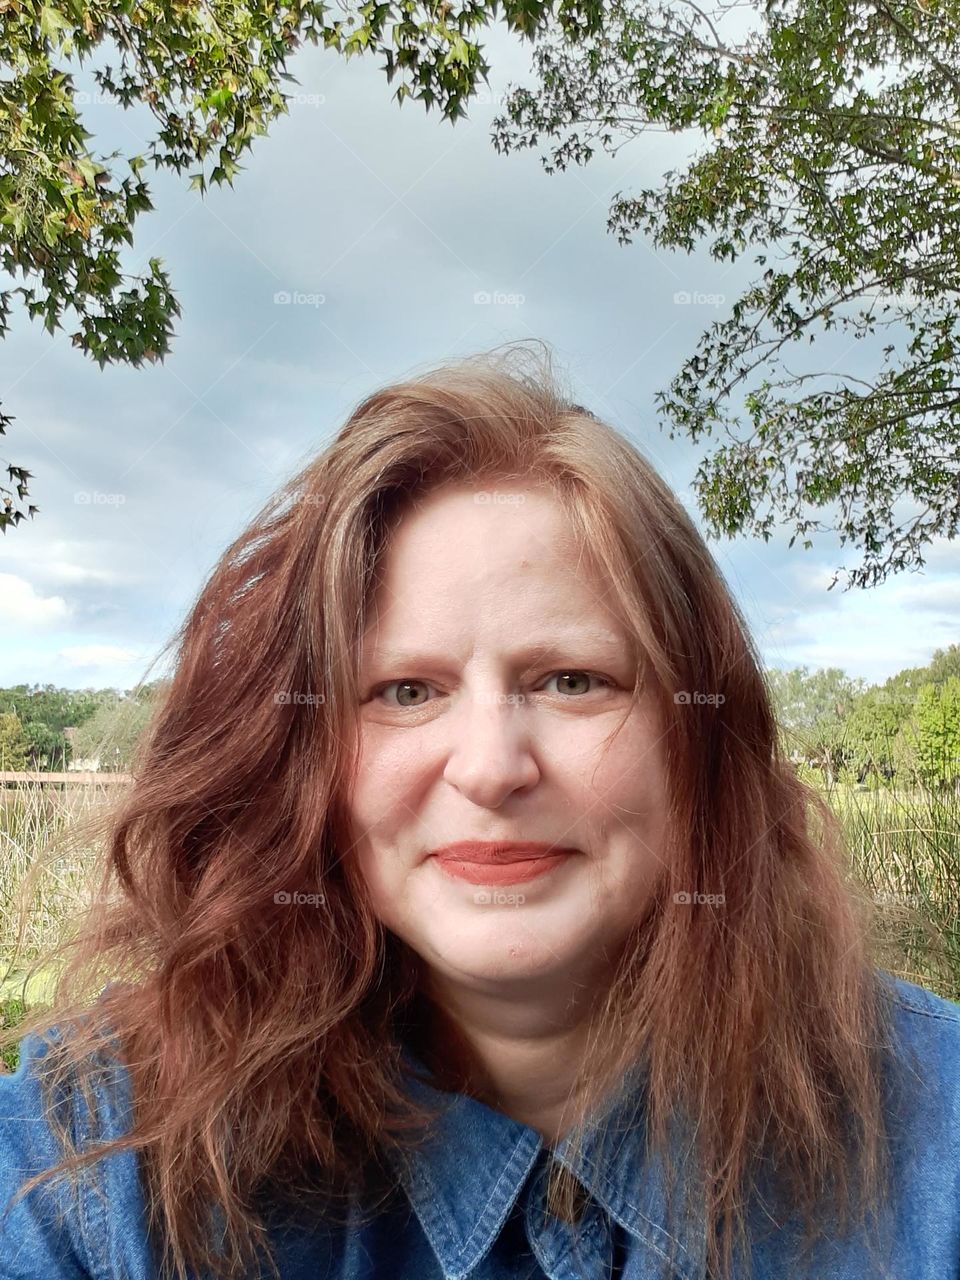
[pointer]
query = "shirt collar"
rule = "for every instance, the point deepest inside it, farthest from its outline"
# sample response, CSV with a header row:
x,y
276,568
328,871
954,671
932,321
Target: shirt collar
x,y
465,1179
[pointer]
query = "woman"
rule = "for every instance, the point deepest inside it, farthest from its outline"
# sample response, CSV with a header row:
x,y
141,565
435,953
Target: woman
x,y
464,919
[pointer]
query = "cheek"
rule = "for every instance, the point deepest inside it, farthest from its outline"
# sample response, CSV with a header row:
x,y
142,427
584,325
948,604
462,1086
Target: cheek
x,y
382,781
381,806
389,773
629,775
369,844
378,871
630,794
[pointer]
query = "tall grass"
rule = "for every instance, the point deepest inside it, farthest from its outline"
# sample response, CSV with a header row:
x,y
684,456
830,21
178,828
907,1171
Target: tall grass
x,y
49,839
905,849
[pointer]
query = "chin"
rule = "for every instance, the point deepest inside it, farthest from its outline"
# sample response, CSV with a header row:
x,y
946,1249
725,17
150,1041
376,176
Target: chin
x,y
500,955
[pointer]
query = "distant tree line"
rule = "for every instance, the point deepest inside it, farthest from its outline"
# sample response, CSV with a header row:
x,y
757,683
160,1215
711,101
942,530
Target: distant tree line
x,y
104,725
904,732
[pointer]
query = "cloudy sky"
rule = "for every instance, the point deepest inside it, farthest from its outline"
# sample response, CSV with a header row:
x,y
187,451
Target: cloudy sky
x,y
385,223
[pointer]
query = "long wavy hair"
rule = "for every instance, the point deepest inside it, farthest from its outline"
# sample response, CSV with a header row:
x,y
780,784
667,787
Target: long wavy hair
x,y
263,1042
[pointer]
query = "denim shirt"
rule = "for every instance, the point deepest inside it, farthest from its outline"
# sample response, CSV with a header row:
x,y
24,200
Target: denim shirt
x,y
472,1205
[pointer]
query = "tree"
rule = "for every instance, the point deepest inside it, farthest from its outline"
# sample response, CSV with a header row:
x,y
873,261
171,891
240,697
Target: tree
x,y
812,709
44,713
944,664
13,743
871,729
880,731
905,758
211,74
937,733
112,732
832,136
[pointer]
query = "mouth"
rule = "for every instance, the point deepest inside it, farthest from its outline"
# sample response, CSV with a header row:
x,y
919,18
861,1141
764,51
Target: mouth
x,y
499,863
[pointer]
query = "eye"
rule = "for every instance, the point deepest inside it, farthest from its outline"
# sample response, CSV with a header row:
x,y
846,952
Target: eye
x,y
404,686
401,684
583,675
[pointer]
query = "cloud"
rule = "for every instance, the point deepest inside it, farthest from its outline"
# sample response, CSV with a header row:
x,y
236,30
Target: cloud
x,y
23,607
398,220
69,572
99,657
937,596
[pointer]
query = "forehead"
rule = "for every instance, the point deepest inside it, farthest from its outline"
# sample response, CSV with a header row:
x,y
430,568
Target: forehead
x,y
469,531
498,565
559,642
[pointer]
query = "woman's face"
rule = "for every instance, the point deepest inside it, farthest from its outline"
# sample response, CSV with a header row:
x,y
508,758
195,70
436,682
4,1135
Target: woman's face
x,y
497,706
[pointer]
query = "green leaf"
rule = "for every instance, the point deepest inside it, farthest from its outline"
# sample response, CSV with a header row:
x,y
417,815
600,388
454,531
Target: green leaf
x,y
89,170
52,21
51,230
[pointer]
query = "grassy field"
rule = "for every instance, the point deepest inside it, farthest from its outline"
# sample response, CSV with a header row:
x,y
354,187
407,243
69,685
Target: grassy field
x,y
905,848
34,817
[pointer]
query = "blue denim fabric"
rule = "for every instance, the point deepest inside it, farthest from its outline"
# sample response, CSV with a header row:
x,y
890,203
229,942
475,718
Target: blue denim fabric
x,y
473,1201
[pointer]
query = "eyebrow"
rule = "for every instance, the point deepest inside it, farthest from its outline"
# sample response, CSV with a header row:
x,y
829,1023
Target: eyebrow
x,y
558,647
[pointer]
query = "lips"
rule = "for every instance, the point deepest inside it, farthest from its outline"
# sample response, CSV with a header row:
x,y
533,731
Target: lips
x,y
500,862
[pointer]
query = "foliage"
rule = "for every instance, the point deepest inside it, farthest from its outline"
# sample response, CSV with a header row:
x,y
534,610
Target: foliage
x,y
13,743
944,664
846,732
871,729
211,73
112,732
832,144
11,1012
905,848
937,730
45,712
811,708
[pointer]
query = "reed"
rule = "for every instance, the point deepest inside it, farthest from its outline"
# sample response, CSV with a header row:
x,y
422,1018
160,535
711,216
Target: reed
x,y
904,847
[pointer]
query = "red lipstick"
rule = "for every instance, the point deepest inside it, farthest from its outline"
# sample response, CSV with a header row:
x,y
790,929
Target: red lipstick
x,y
500,862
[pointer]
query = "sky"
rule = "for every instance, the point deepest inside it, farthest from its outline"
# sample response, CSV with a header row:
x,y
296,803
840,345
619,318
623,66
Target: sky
x,y
380,225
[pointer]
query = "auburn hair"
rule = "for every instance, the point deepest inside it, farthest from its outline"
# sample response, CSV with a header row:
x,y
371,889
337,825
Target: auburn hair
x,y
263,1043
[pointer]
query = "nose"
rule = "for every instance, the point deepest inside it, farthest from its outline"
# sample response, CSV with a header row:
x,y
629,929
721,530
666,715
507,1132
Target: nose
x,y
491,751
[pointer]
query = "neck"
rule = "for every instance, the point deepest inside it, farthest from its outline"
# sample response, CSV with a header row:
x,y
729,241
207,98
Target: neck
x,y
515,1050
